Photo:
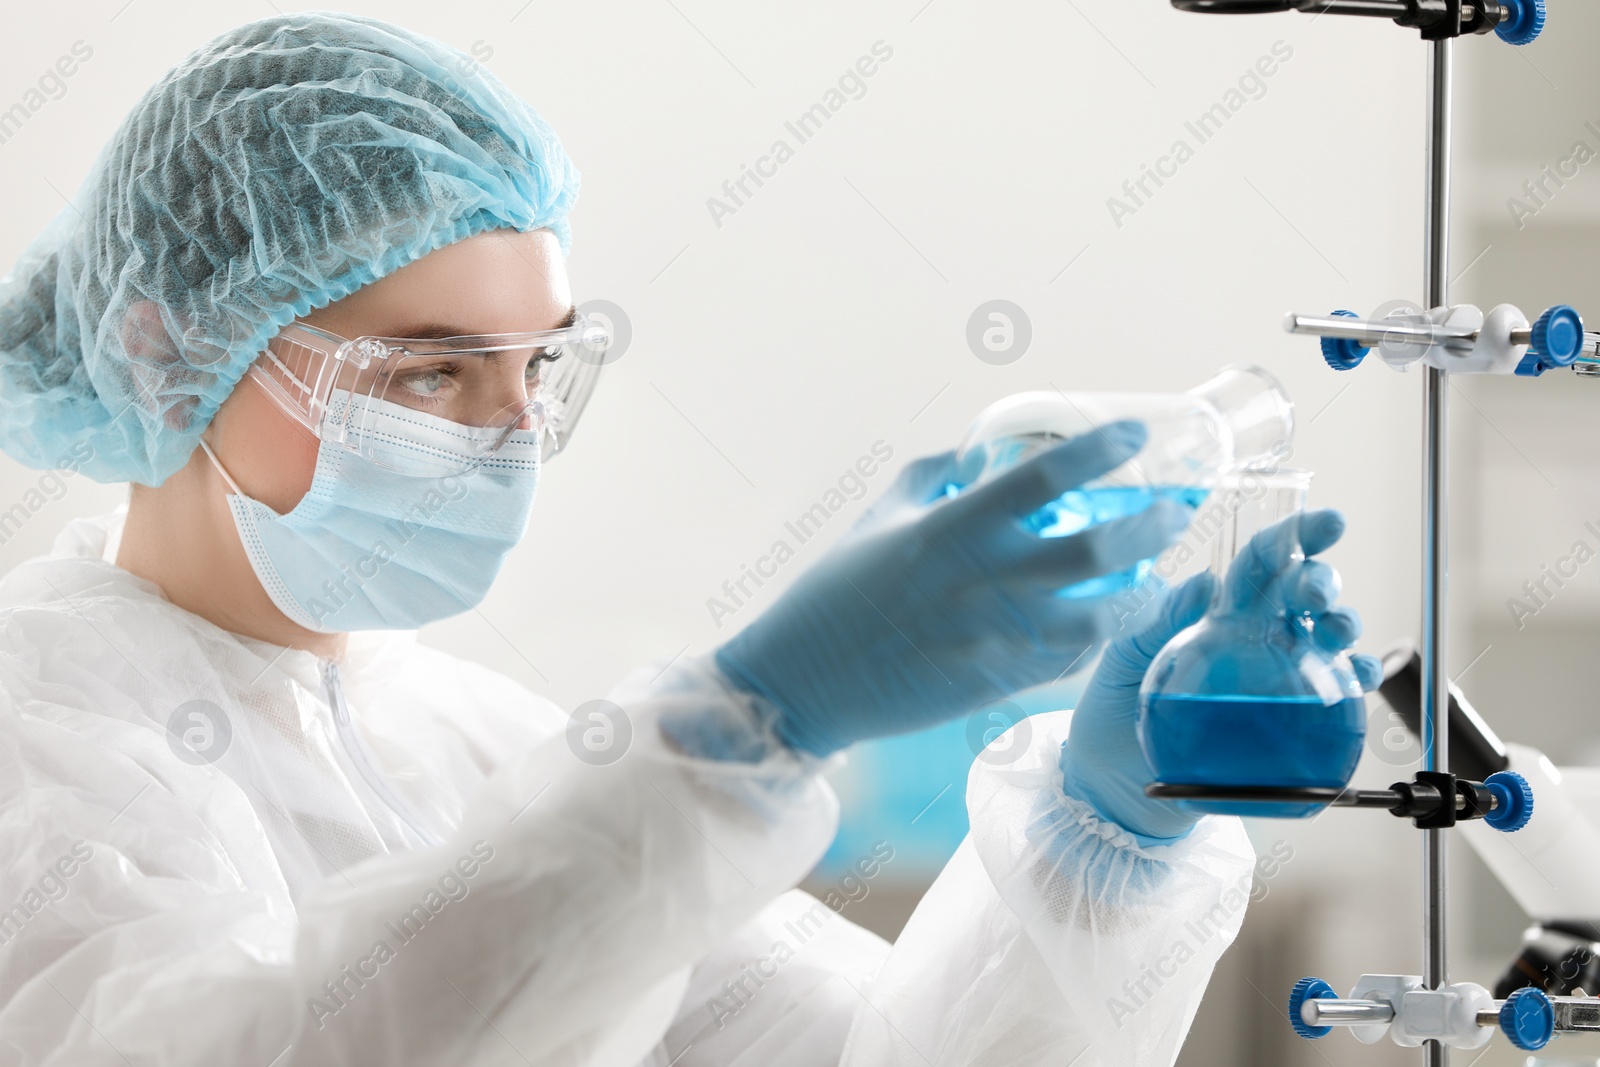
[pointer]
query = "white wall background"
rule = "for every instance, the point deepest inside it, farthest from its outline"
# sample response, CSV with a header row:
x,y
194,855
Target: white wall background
x,y
830,312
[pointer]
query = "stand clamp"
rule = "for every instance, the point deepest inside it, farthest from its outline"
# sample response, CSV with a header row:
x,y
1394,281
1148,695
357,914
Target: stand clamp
x,y
1513,21
1462,1015
1433,800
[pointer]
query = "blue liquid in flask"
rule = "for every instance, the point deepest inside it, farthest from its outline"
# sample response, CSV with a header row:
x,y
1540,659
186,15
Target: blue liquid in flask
x,y
1291,741
1075,511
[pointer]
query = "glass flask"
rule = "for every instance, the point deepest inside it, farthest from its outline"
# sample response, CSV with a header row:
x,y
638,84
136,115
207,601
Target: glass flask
x,y
1244,698
1240,418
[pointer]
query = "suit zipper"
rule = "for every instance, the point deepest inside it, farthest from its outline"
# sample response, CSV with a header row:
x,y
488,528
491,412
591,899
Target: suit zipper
x,y
358,755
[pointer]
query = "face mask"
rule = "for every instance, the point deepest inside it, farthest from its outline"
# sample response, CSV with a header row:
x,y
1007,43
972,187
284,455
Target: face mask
x,y
397,545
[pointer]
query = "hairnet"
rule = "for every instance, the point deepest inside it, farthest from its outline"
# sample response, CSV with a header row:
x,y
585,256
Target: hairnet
x,y
279,168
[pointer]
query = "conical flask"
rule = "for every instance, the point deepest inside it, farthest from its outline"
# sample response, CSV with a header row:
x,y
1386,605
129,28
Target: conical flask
x,y
1240,418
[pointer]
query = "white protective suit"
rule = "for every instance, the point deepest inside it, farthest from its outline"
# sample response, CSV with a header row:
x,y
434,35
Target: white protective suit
x,y
399,860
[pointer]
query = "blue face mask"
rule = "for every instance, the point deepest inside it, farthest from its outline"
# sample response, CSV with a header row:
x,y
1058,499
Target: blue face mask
x,y
393,545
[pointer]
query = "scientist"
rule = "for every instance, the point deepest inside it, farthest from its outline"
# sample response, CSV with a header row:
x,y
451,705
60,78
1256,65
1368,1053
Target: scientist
x,y
311,302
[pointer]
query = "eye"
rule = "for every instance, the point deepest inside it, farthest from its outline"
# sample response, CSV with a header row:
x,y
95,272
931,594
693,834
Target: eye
x,y
540,358
427,382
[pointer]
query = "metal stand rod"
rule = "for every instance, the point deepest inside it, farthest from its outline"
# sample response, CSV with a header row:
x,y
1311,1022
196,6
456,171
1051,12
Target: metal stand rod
x,y
1435,397
1346,1012
1398,331
1573,1015
1414,800
1576,1014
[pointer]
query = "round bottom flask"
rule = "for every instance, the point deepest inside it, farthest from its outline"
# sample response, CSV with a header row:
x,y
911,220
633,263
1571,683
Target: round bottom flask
x,y
1245,697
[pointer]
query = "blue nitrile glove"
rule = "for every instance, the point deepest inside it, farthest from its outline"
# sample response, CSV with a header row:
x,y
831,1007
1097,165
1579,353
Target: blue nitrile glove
x,y
1101,761
931,608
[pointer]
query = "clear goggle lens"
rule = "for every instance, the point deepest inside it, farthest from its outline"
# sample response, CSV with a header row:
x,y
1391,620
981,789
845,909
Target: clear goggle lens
x,y
459,401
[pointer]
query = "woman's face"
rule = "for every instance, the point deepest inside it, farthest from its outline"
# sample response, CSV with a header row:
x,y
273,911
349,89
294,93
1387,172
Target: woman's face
x,y
501,281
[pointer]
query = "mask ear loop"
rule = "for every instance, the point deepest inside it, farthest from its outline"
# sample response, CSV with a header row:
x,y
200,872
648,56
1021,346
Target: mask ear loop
x,y
217,463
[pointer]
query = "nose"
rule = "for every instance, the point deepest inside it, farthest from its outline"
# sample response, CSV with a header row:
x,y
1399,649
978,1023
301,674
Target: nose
x,y
504,393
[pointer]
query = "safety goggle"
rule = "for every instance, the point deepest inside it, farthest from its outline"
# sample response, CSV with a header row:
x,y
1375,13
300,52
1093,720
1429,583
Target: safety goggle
x,y
373,394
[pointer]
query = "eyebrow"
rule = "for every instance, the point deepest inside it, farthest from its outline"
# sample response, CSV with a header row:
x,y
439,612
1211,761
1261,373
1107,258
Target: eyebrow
x,y
435,331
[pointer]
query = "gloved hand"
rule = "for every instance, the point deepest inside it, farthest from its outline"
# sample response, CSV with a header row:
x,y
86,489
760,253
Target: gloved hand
x,y
1101,761
931,607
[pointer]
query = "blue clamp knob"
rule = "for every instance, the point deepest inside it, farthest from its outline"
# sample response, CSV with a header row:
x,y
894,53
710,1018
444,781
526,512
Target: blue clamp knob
x,y
1525,23
1555,341
1304,990
1528,1019
1341,352
1513,801
1558,336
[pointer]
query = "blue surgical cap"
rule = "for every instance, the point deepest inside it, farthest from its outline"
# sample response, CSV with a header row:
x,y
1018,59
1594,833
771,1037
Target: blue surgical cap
x,y
279,168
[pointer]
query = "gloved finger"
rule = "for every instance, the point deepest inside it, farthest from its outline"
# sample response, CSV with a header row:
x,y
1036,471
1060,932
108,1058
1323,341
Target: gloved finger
x,y
1320,530
1129,656
1310,588
1271,550
1251,574
1369,672
1043,623
926,479
1041,478
1104,549
1058,634
1060,621
921,482
1336,630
